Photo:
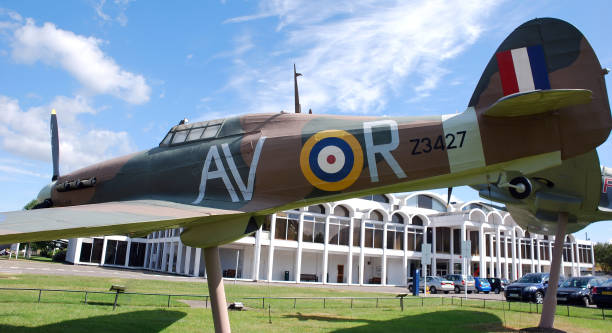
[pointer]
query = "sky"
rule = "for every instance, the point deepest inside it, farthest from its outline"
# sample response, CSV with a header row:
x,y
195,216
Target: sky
x,y
120,72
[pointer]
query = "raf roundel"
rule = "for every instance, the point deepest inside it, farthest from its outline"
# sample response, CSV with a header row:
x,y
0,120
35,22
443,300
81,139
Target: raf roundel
x,y
331,160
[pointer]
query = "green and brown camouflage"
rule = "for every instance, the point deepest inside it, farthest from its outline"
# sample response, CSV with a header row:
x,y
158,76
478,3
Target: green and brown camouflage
x,y
217,179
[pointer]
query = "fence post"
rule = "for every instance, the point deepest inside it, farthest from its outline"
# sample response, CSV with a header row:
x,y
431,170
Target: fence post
x,y
568,310
537,308
207,302
263,302
461,301
323,302
603,314
442,298
168,300
377,302
452,300
422,298
39,293
529,307
484,303
269,314
351,302
402,303
116,296
294,301
85,297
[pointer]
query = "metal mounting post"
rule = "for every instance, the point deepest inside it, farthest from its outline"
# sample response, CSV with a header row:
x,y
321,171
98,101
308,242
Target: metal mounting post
x,y
549,306
216,290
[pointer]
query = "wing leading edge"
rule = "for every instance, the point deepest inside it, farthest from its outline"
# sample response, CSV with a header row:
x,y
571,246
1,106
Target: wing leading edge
x,y
125,217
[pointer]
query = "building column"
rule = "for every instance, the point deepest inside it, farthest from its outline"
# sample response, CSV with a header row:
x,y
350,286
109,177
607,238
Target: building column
x,y
298,253
383,272
491,257
147,255
550,246
257,258
17,251
179,257
187,260
451,262
164,258
531,253
520,258
198,257
434,262
578,256
103,258
514,266
405,261
361,254
77,250
573,255
482,249
539,255
349,259
468,259
498,252
171,262
271,247
592,259
325,251
423,265
127,252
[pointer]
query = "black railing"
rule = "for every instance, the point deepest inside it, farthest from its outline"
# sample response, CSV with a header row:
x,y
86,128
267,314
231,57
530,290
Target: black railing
x,y
307,301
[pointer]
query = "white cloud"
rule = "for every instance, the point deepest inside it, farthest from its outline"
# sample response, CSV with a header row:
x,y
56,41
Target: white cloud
x,y
81,57
117,8
354,56
25,133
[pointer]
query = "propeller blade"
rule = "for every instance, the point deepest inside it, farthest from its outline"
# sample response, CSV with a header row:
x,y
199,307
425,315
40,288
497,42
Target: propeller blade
x,y
54,145
450,191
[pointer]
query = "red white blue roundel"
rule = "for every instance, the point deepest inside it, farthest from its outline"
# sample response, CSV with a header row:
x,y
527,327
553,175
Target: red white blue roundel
x,y
331,160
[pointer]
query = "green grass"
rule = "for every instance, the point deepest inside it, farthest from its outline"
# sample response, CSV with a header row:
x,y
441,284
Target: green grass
x,y
63,312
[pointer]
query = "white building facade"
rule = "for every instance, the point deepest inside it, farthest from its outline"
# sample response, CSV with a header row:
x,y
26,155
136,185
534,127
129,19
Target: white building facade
x,y
368,241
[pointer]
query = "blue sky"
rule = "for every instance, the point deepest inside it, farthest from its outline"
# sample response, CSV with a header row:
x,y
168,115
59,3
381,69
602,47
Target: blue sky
x,y
121,72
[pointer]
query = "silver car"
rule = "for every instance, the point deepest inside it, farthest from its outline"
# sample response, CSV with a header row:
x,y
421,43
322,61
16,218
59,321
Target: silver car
x,y
437,283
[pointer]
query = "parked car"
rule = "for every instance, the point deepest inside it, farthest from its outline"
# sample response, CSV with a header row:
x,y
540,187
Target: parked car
x,y
602,294
461,281
482,285
498,285
530,288
578,290
434,285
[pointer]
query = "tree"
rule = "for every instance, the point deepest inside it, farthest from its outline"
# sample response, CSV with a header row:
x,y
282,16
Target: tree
x,y
603,256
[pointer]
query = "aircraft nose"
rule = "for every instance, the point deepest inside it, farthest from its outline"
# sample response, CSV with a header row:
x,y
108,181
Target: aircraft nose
x,y
45,193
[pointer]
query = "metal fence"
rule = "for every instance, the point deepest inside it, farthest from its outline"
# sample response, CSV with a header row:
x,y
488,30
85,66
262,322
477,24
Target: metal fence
x,y
175,300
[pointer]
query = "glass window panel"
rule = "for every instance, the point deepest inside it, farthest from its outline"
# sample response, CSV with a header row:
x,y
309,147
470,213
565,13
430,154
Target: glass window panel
x,y
419,241
341,211
281,229
397,218
85,252
111,247
378,239
211,131
96,252
390,239
179,137
195,134
308,231
376,216
334,230
425,201
121,253
319,236
411,241
345,230
167,139
399,240
369,238
292,230
357,233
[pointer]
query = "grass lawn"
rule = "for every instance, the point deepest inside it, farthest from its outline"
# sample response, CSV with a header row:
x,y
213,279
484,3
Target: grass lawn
x,y
67,312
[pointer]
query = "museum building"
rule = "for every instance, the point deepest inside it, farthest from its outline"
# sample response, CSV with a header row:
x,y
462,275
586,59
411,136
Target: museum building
x,y
367,241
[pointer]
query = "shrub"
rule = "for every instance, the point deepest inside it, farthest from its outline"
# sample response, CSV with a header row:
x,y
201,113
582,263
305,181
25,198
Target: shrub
x,y
60,256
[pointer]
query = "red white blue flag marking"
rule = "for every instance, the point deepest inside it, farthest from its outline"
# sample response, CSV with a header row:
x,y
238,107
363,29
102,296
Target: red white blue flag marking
x,y
523,69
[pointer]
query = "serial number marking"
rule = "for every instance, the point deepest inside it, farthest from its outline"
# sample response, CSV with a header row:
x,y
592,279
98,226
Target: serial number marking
x,y
424,145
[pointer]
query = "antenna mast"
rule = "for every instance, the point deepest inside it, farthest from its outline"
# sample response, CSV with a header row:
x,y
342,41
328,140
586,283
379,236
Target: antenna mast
x,y
298,107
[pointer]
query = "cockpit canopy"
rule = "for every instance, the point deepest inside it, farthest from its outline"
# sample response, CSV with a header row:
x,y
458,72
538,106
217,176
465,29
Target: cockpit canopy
x,y
188,132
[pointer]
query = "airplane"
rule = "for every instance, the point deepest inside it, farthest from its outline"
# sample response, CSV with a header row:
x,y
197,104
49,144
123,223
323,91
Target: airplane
x,y
527,139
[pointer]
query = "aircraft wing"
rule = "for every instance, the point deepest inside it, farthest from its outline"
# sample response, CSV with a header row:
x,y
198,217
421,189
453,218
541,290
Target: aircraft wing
x,y
138,217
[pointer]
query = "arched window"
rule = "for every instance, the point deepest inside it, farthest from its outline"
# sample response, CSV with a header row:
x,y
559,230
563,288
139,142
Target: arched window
x,y
377,198
527,234
376,216
319,209
417,220
341,211
397,218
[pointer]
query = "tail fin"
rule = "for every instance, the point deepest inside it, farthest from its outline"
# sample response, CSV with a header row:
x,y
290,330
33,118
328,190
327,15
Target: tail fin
x,y
550,54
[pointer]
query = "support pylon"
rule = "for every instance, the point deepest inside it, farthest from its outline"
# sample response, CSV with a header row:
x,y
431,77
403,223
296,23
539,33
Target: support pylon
x,y
216,290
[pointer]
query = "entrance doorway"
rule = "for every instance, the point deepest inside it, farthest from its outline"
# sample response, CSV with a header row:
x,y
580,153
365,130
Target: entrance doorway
x,y
340,278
